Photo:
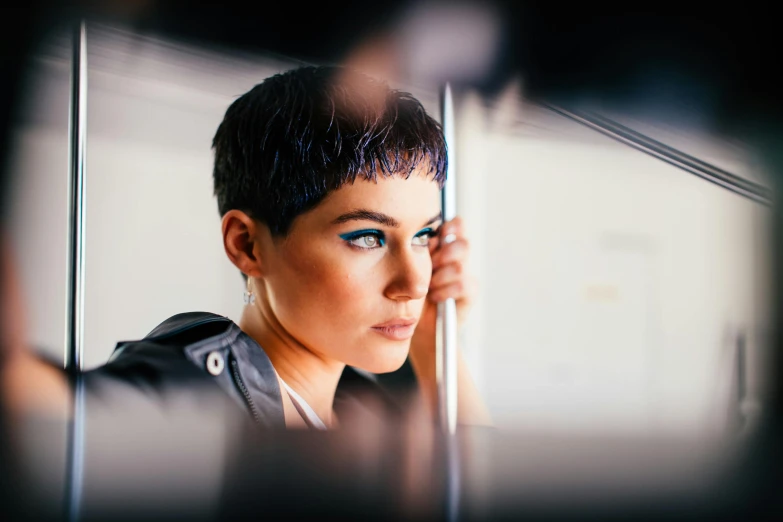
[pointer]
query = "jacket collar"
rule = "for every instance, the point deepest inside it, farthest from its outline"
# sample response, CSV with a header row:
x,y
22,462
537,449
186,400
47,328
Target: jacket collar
x,y
247,362
246,365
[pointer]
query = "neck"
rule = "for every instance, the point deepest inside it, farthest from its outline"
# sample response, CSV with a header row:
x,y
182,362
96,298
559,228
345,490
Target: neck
x,y
310,374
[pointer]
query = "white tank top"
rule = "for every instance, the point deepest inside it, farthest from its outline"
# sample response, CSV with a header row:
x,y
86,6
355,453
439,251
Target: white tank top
x,y
305,410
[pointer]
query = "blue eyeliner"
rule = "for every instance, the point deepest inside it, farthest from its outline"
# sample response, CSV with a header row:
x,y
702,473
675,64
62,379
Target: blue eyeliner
x,y
357,234
365,232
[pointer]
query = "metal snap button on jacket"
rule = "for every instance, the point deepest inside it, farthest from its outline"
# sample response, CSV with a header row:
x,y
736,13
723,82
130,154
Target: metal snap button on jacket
x,y
215,363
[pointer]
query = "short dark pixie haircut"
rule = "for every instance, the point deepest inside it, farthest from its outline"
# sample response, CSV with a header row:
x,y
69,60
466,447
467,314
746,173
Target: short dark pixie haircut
x,y
290,140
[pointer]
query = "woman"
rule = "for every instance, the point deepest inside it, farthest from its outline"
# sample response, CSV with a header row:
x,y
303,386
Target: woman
x,y
329,187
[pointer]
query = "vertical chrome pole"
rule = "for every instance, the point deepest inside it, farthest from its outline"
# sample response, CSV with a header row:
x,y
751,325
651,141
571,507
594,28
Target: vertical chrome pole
x,y
74,338
76,211
446,339
446,332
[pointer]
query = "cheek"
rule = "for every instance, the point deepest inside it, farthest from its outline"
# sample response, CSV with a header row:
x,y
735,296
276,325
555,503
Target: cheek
x,y
328,300
327,290
337,279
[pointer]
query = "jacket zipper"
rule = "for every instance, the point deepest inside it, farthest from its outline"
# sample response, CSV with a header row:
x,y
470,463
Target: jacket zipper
x,y
241,385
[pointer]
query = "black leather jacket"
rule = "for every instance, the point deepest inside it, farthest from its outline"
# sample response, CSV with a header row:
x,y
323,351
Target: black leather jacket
x,y
199,350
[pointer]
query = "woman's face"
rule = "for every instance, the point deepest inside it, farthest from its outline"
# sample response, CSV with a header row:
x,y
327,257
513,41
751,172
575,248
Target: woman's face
x,y
350,279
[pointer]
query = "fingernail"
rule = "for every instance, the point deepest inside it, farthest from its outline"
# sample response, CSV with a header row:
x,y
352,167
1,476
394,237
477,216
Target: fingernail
x,y
450,238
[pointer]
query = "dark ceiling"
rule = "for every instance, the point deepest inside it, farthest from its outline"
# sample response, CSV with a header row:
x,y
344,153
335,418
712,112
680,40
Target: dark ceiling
x,y
728,57
724,61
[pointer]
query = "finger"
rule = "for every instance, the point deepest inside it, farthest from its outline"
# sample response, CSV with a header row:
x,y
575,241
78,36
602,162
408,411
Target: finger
x,y
451,231
454,291
456,251
447,233
452,227
446,275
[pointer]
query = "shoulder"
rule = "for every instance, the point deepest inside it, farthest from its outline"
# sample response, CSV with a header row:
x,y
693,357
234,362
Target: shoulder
x,y
188,353
159,359
166,347
173,335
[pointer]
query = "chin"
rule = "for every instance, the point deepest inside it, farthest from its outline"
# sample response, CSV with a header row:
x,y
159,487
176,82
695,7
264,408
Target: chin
x,y
384,359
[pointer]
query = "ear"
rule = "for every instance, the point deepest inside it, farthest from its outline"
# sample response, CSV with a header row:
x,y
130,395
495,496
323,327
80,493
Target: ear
x,y
240,241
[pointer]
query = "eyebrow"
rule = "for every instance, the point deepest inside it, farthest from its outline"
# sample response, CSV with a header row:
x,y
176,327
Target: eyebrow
x,y
378,217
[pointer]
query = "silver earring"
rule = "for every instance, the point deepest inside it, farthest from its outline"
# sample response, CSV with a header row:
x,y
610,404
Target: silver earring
x,y
249,297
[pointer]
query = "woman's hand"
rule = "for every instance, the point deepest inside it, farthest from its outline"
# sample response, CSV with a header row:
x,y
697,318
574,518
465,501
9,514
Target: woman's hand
x,y
27,383
449,251
449,280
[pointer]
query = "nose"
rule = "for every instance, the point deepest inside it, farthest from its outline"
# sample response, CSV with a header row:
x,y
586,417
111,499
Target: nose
x,y
411,272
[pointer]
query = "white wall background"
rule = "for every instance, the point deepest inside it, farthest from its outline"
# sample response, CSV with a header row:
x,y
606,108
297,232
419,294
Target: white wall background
x,y
153,230
612,284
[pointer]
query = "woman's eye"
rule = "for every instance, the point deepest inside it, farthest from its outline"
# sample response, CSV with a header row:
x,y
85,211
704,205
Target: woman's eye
x,y
366,241
423,237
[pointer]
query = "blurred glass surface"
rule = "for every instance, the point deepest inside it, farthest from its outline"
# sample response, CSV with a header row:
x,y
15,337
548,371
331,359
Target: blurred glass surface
x,y
614,286
618,293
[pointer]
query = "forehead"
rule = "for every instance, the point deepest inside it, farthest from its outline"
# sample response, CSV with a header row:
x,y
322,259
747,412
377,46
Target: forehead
x,y
412,199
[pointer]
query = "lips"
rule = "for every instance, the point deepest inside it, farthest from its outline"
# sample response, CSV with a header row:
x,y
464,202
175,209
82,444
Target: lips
x,y
400,329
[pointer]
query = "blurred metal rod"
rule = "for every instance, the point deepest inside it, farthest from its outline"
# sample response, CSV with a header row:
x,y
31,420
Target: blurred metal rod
x,y
74,340
446,332
446,337
614,130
